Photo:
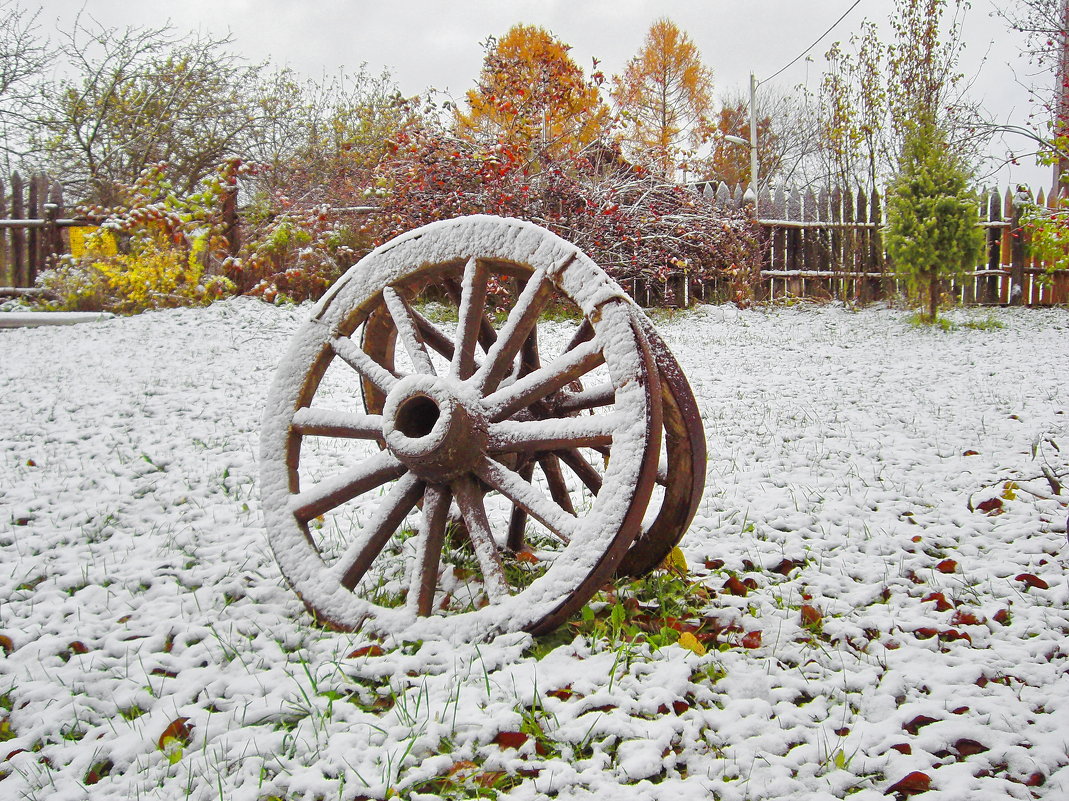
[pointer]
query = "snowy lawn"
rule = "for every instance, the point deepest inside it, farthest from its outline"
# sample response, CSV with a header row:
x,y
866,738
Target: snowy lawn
x,y
877,572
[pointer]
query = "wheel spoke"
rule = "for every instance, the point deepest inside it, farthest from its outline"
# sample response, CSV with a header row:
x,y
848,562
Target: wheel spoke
x,y
331,423
530,360
333,492
582,468
582,334
530,498
518,517
353,355
486,333
472,302
520,321
543,381
588,431
470,500
558,489
600,395
408,331
424,579
432,335
373,538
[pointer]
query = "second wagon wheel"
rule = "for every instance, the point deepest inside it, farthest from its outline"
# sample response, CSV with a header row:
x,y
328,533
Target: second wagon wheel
x,y
403,520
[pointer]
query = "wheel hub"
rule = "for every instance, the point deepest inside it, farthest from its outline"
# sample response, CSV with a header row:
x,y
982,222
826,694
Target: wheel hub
x,y
431,430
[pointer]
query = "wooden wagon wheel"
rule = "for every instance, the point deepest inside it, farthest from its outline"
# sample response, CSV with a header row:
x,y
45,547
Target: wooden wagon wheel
x,y
409,522
681,471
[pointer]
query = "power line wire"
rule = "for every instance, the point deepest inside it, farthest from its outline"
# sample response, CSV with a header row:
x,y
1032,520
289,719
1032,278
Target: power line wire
x,y
795,61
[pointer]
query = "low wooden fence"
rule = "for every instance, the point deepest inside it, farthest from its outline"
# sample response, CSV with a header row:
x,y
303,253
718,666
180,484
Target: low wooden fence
x,y
819,245
828,245
31,231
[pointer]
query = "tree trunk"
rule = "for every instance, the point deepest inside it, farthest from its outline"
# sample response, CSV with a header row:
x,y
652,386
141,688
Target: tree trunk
x,y
933,296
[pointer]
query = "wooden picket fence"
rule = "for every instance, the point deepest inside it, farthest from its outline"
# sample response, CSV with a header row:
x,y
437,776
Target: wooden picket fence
x,y
821,245
31,231
828,245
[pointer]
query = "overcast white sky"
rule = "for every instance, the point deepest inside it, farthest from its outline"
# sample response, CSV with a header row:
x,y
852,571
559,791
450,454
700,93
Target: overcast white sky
x,y
435,43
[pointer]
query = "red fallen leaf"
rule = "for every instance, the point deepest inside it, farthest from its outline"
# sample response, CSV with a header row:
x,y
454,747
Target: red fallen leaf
x,y
98,772
679,707
913,784
941,602
714,564
527,556
530,773
925,633
750,582
170,674
178,729
125,619
5,644
462,765
735,587
903,748
991,506
510,739
1037,779
564,693
752,639
953,634
367,650
810,615
1033,581
961,710
918,723
916,538
966,747
982,681
1002,617
785,567
603,708
971,453
947,566
842,732
965,618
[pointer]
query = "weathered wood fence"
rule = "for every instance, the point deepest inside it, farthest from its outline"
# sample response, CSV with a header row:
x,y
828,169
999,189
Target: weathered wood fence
x,y
31,230
828,245
818,245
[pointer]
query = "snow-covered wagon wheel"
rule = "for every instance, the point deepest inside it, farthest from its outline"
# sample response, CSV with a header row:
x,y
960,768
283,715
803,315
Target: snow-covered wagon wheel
x,y
492,482
681,468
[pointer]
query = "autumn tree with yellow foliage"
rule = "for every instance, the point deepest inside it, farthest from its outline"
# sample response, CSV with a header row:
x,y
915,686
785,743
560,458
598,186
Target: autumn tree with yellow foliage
x,y
533,97
664,98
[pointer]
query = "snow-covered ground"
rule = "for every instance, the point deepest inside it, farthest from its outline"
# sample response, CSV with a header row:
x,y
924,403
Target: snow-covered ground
x,y
150,649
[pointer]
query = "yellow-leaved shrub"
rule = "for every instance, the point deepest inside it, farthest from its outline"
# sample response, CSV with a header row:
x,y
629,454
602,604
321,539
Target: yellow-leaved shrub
x,y
152,276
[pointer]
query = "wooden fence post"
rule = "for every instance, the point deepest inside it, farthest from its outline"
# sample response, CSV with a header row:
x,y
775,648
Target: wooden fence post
x,y
1018,249
33,238
231,228
18,235
7,276
988,293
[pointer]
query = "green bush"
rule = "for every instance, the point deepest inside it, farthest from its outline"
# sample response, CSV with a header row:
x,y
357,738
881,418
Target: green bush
x,y
931,215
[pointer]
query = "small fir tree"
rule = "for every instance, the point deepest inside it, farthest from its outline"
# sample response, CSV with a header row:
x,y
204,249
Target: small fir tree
x,y
931,215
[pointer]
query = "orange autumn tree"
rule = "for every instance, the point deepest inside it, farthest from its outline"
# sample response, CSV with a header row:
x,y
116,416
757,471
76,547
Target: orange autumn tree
x,y
533,97
664,98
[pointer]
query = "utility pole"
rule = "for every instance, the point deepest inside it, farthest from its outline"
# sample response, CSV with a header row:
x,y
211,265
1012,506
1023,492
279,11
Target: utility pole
x,y
754,177
1061,103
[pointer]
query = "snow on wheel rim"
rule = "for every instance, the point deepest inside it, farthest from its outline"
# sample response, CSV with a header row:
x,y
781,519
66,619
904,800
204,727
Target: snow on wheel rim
x,y
470,403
